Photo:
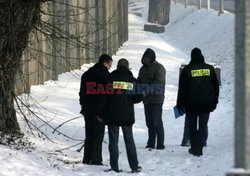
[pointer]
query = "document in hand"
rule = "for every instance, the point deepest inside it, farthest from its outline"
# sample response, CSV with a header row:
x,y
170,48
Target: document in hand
x,y
177,112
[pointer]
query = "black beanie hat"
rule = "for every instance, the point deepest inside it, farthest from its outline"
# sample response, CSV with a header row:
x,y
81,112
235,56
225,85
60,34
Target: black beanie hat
x,y
123,63
196,56
196,52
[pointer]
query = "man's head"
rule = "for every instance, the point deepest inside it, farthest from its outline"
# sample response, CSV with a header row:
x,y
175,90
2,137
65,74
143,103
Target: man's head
x,y
106,60
148,57
196,56
123,63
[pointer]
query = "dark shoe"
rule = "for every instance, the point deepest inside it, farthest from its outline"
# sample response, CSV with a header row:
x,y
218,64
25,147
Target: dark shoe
x,y
115,170
97,163
138,169
187,144
200,153
194,153
190,151
161,147
86,162
150,147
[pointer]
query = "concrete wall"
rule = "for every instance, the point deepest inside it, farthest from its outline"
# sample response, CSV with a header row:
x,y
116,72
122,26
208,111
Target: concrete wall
x,y
75,32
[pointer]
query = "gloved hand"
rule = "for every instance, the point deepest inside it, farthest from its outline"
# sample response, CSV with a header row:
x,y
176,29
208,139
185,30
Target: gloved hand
x,y
181,109
99,118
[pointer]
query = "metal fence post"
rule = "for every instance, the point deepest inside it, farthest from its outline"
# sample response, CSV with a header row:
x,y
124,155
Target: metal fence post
x,y
242,93
221,11
186,3
208,5
199,4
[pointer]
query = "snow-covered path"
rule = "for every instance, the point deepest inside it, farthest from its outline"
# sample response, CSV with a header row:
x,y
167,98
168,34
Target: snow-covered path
x,y
59,102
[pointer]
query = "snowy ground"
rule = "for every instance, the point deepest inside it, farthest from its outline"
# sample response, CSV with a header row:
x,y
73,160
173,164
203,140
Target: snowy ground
x,y
229,5
58,102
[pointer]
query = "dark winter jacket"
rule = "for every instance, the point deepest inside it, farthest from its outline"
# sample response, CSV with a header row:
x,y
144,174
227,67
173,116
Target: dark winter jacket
x,y
119,110
93,103
152,73
198,86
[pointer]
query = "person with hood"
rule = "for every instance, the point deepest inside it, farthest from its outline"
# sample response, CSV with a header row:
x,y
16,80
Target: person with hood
x,y
119,112
92,107
198,96
152,73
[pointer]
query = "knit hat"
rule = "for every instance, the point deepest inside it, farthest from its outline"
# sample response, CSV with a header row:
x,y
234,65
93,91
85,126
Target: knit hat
x,y
123,63
196,56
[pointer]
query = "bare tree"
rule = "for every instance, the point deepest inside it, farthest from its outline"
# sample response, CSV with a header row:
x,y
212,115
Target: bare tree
x,y
23,24
17,18
159,11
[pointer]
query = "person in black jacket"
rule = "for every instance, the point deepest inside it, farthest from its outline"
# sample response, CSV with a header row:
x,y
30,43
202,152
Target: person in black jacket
x,y
198,95
119,112
92,103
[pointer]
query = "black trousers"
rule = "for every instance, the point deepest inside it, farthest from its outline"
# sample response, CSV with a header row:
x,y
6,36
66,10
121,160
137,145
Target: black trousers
x,y
94,134
153,114
186,137
113,132
197,130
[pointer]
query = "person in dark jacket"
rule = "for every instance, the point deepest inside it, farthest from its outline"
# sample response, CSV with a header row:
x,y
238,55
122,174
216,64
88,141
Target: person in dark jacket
x,y
198,95
153,73
92,105
119,112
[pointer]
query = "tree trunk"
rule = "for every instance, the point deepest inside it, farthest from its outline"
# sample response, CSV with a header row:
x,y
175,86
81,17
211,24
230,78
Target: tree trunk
x,y
17,18
159,11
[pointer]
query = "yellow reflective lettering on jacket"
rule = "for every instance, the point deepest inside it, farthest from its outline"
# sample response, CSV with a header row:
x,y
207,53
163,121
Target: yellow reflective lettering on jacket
x,y
122,85
200,72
